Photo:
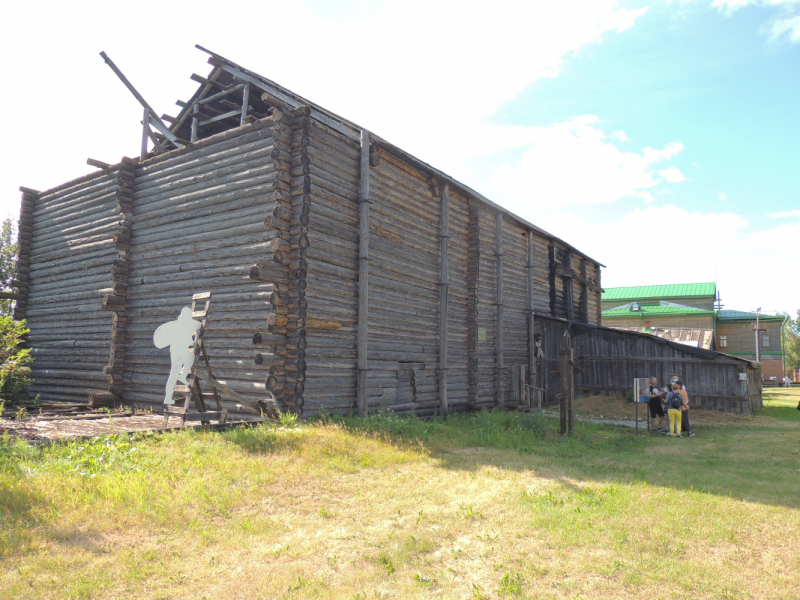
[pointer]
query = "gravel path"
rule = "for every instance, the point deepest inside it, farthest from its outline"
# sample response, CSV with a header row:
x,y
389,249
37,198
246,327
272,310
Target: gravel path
x,y
620,422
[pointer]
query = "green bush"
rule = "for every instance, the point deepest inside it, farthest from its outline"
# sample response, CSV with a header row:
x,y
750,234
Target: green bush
x,y
629,396
14,361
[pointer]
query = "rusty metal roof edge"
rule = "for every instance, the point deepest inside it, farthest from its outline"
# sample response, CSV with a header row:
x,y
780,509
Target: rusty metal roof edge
x,y
354,132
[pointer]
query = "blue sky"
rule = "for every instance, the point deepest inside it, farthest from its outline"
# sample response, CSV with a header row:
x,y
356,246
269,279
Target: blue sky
x,y
697,75
660,137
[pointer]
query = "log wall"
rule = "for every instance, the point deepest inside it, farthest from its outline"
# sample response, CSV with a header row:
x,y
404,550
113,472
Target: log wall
x,y
399,271
197,225
612,359
332,255
301,232
71,250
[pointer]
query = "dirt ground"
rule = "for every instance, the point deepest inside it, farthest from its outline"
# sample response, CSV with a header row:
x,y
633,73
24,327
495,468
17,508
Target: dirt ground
x,y
54,422
614,407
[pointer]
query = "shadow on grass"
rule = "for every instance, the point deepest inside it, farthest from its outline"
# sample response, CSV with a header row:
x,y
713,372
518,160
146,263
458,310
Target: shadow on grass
x,y
753,464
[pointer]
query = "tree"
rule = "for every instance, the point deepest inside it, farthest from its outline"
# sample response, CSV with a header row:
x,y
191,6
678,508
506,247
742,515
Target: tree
x,y
791,342
8,262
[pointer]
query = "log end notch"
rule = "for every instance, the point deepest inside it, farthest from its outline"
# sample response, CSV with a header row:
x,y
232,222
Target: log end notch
x,y
285,340
116,301
21,281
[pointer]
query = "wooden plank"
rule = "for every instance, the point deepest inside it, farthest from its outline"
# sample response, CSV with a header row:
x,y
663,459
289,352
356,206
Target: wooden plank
x,y
531,318
569,299
222,117
245,102
220,95
225,390
145,136
444,282
202,80
363,276
499,338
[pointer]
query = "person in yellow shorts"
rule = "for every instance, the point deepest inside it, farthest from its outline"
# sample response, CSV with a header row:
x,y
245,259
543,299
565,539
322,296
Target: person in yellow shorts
x,y
674,403
685,427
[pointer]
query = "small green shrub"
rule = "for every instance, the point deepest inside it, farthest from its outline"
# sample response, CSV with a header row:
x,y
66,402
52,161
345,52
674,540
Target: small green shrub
x,y
287,419
629,396
14,362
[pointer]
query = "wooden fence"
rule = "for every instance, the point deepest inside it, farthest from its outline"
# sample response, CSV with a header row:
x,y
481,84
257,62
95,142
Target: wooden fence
x,y
611,359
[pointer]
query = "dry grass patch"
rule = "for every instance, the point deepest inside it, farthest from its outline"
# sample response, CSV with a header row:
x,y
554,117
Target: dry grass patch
x,y
485,506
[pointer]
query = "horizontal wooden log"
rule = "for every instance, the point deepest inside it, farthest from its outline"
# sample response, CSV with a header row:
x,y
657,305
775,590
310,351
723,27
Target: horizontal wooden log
x,y
269,275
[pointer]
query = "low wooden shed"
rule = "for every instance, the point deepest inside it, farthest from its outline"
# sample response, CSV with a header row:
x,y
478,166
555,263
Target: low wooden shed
x,y
345,273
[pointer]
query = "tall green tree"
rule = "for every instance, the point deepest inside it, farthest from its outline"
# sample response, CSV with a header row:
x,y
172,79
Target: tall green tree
x,y
791,342
8,261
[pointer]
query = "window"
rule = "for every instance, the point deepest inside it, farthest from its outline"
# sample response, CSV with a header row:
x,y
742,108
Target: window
x,y
723,341
765,341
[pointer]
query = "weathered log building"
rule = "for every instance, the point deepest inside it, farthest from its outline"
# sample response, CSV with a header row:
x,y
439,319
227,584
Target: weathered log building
x,y
345,273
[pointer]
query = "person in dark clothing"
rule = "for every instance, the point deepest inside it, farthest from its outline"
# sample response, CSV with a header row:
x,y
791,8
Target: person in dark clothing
x,y
654,404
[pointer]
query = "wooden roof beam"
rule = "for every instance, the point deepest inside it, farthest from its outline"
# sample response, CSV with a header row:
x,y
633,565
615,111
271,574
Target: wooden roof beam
x,y
98,164
202,80
155,120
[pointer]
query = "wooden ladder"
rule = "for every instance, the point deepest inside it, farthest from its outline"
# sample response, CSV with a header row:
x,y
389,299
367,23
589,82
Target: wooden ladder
x,y
192,392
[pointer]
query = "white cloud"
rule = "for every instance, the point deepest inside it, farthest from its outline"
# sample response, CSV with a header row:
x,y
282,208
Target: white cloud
x,y
423,75
789,27
669,244
786,214
722,196
672,175
620,135
786,23
652,155
575,163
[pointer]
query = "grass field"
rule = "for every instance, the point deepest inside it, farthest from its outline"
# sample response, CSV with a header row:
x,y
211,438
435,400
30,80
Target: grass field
x,y
486,506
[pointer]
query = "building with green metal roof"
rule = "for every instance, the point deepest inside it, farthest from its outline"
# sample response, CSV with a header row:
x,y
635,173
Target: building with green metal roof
x,y
698,295
690,313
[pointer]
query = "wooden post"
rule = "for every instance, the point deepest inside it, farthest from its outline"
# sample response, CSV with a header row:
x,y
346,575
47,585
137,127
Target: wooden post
x,y
570,385
531,324
570,293
444,281
584,291
195,121
145,133
567,395
473,278
551,276
245,102
363,275
498,244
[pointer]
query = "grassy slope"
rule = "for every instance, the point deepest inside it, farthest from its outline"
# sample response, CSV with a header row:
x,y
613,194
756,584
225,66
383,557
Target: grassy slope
x,y
483,506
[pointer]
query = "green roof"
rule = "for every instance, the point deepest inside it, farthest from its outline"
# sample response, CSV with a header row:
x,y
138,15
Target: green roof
x,y
675,290
649,311
739,314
